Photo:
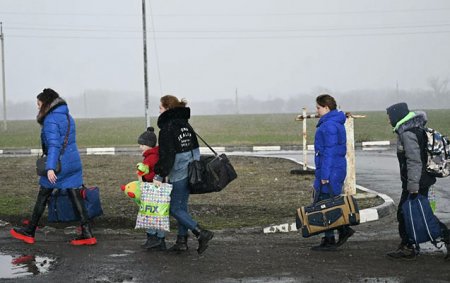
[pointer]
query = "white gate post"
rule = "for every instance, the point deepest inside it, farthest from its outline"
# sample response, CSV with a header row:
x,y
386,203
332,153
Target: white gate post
x,y
305,159
350,180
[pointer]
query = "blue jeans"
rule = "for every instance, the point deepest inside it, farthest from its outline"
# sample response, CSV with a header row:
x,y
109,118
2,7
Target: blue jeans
x,y
179,207
158,233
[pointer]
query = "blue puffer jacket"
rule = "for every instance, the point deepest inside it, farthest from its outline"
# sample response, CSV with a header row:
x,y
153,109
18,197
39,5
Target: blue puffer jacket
x,y
330,150
53,132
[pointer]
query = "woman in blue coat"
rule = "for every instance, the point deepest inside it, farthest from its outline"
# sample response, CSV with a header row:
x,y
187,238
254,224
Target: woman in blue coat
x,y
331,166
58,139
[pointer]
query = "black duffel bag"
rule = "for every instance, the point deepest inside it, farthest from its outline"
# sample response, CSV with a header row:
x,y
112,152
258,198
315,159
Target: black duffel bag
x,y
212,173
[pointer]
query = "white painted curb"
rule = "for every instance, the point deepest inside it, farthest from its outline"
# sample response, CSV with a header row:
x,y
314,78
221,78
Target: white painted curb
x,y
100,150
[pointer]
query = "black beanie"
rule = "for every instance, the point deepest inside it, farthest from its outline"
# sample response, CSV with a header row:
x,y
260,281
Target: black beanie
x,y
148,137
397,112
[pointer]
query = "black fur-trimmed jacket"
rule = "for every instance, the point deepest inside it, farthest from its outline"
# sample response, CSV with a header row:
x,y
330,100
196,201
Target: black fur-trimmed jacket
x,y
175,136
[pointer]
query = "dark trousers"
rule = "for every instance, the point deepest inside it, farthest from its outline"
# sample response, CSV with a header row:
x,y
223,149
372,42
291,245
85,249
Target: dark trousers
x,y
401,221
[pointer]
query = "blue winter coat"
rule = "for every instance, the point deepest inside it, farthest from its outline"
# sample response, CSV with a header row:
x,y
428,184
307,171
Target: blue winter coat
x,y
53,132
330,150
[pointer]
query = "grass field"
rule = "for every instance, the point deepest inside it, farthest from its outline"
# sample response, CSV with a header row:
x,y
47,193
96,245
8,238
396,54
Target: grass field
x,y
255,199
224,130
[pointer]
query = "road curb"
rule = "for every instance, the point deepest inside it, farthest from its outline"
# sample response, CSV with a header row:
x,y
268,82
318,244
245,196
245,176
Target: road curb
x,y
376,145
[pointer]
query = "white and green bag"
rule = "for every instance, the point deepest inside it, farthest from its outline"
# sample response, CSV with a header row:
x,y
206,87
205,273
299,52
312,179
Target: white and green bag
x,y
154,207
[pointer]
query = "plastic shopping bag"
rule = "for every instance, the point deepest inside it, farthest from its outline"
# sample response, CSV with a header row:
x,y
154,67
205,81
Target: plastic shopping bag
x,y
154,207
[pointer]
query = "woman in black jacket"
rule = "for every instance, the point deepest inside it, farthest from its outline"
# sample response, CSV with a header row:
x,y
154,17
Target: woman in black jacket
x,y
178,146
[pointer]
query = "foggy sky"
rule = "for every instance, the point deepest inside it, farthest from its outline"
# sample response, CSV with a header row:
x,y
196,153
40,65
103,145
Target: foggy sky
x,y
206,49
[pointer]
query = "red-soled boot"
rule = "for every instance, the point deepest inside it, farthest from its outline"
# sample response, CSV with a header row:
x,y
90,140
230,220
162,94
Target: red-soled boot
x,y
86,238
25,234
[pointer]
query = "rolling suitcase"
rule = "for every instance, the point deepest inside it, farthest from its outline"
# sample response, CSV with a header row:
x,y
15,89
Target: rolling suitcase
x,y
420,223
327,214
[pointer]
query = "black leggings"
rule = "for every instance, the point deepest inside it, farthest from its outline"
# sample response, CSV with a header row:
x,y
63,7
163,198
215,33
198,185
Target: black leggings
x,y
41,203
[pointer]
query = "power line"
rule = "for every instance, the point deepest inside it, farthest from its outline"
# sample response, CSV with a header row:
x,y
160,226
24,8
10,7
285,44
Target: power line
x,y
311,29
212,37
312,13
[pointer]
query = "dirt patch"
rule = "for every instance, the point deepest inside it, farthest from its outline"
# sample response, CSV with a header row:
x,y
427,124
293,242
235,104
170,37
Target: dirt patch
x,y
264,193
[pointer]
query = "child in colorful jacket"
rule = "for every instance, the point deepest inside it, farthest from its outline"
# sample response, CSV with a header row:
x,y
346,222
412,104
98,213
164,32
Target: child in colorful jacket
x,y
145,171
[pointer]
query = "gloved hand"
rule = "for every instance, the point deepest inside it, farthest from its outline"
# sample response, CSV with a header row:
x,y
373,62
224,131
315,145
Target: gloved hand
x,y
142,169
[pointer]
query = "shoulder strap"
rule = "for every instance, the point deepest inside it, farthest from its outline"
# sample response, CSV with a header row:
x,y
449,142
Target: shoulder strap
x,y
66,139
215,153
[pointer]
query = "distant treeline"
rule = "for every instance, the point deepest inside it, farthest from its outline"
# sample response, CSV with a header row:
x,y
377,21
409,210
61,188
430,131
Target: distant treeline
x,y
101,103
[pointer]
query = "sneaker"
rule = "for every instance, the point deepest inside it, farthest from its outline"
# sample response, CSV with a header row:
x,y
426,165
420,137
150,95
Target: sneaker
x,y
327,244
406,252
346,233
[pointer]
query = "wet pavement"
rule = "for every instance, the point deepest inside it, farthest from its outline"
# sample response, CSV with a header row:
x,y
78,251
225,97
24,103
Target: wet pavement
x,y
24,265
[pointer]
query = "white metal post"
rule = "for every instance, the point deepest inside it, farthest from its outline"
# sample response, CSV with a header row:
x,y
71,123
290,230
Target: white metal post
x,y
305,158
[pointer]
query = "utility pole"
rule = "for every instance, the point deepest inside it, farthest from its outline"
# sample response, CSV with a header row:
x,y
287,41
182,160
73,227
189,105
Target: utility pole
x,y
144,30
5,126
236,100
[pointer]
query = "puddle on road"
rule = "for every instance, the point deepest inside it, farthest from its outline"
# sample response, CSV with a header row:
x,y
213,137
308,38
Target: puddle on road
x,y
23,265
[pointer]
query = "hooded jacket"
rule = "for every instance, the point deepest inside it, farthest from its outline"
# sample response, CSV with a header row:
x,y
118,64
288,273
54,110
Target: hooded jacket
x,y
178,144
330,145
411,151
53,132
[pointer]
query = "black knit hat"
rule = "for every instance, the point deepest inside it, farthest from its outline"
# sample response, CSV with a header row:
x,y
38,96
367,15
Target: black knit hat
x,y
148,137
397,112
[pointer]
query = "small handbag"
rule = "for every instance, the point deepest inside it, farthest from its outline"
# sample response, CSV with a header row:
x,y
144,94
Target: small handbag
x,y
41,162
61,208
211,173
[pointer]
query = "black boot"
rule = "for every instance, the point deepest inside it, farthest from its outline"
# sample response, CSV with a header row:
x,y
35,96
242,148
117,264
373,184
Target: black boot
x,y
149,237
86,237
180,244
155,243
203,236
344,233
26,234
327,244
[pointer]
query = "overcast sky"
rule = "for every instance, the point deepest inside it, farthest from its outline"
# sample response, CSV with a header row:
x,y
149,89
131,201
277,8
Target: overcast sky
x,y
205,49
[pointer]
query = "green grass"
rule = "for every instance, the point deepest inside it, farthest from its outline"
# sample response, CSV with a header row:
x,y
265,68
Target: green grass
x,y
221,130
